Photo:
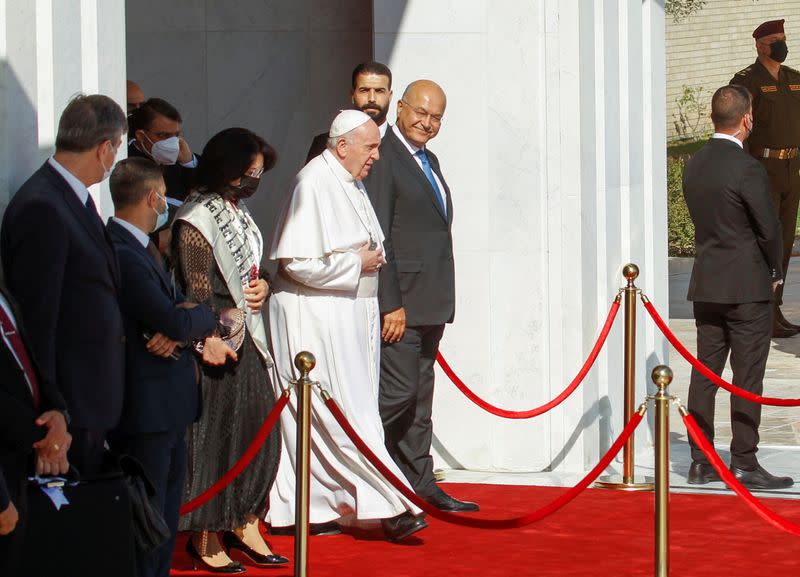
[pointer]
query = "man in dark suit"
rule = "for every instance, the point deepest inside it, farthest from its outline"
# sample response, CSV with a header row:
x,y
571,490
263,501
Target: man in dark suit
x,y
162,395
371,93
417,284
735,273
61,268
155,133
33,428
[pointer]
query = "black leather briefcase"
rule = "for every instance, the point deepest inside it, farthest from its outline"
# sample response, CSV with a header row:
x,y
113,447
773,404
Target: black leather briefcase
x,y
92,536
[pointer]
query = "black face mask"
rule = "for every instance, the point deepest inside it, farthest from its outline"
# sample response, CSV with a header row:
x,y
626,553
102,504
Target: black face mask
x,y
778,50
247,187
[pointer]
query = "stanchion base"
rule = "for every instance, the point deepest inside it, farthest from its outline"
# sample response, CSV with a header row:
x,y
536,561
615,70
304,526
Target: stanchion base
x,y
616,483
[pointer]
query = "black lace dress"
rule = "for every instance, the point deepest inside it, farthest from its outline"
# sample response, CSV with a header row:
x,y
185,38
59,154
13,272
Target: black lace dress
x,y
236,399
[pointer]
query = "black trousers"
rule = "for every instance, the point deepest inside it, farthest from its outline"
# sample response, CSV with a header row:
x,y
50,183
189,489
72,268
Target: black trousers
x,y
784,181
743,330
163,456
14,471
406,403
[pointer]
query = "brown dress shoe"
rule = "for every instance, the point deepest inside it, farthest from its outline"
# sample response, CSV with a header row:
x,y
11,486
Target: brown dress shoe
x,y
781,332
781,320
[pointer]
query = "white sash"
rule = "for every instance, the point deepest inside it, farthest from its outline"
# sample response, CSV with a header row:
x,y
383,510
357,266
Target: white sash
x,y
211,215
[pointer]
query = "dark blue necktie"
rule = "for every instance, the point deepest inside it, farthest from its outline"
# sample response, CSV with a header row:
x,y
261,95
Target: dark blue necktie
x,y
426,168
93,216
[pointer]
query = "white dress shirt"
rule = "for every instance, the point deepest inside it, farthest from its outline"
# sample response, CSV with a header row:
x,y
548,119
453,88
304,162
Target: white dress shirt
x,y
413,150
722,136
137,232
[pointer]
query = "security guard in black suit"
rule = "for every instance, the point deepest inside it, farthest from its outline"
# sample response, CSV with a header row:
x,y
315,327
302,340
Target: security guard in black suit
x,y
776,135
736,270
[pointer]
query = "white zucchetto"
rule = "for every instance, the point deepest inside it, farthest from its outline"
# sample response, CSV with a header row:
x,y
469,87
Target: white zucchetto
x,y
346,121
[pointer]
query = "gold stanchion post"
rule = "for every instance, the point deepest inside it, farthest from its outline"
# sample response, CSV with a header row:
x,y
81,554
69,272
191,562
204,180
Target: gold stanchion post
x,y
662,377
627,481
304,362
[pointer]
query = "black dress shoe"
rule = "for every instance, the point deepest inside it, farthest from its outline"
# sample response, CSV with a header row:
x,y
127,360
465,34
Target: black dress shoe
x,y
316,529
445,502
760,478
402,526
232,567
702,473
781,332
232,541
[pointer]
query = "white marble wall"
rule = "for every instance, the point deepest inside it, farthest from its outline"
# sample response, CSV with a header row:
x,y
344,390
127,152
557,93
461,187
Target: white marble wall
x,y
553,146
51,50
280,68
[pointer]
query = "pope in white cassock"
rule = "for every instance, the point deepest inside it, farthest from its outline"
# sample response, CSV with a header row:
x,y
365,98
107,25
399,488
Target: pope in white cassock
x,y
329,247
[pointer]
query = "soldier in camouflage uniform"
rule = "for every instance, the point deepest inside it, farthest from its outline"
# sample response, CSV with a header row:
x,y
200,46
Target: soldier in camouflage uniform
x,y
775,138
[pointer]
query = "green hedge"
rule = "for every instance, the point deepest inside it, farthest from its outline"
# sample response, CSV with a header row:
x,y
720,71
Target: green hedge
x,y
681,228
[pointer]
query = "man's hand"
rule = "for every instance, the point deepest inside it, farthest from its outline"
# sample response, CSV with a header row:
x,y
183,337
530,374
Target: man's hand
x,y
256,294
184,152
371,260
394,325
775,285
8,519
161,345
216,352
51,452
51,466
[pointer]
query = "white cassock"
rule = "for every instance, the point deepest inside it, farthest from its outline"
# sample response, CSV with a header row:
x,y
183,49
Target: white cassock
x,y
324,304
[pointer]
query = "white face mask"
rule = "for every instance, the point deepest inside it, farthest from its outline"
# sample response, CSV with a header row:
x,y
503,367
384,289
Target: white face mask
x,y
165,151
107,171
162,217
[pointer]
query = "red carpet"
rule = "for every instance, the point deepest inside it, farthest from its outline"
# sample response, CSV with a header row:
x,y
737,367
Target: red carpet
x,y
601,533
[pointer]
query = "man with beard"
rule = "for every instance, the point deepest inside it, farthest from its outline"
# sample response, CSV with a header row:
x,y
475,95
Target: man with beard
x,y
775,138
155,133
371,93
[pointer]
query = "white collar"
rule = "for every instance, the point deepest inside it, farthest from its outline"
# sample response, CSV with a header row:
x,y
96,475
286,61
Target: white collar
x,y
411,148
382,128
137,232
73,181
722,136
338,170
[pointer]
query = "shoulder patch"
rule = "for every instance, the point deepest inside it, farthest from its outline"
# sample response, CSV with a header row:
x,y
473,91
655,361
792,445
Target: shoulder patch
x,y
769,88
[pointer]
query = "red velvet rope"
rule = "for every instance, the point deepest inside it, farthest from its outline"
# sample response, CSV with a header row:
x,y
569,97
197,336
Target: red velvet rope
x,y
246,458
587,365
708,373
457,519
725,474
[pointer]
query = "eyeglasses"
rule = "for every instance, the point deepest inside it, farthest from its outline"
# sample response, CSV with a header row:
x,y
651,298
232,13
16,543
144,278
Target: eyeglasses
x,y
424,114
255,172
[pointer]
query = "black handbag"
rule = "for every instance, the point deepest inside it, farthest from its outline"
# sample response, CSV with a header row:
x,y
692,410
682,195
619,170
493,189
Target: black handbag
x,y
150,530
92,536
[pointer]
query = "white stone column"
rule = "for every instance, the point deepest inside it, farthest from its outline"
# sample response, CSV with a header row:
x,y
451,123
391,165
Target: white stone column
x,y
553,145
51,50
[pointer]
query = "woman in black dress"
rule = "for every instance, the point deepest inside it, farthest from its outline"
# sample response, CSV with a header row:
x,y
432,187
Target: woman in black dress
x,y
219,249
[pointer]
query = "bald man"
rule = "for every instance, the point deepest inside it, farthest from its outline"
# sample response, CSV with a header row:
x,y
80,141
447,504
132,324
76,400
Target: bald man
x,y
135,96
416,290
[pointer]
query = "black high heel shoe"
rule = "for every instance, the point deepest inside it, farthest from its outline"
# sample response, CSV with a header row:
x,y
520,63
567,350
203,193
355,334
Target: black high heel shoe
x,y
232,541
232,567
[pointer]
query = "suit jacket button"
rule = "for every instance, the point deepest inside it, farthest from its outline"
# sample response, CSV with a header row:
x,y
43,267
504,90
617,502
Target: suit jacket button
x,y
122,339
